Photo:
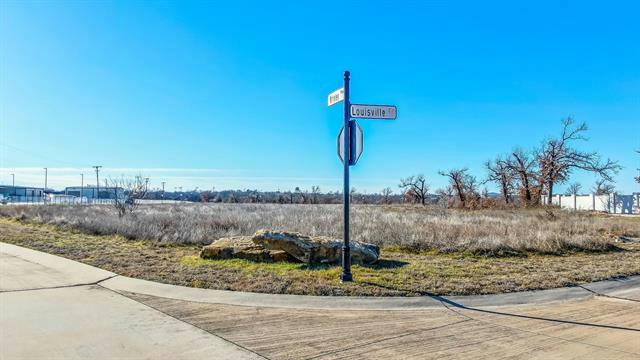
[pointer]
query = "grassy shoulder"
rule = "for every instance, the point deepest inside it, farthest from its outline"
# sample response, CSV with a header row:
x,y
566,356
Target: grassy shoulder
x,y
398,273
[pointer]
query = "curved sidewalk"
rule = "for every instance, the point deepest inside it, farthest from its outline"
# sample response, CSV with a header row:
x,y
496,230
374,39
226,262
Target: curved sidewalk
x,y
627,288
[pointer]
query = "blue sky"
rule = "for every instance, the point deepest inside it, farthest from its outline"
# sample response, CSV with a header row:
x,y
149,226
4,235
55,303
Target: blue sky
x,y
232,94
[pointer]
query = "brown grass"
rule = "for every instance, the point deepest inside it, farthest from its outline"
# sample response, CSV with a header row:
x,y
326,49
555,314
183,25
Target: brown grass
x,y
398,272
407,228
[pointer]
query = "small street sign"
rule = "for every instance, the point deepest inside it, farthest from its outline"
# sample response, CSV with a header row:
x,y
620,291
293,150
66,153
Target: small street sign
x,y
359,111
335,97
356,143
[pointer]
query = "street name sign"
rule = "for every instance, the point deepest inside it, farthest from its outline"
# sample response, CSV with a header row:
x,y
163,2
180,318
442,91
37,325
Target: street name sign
x,y
350,144
335,97
356,143
388,112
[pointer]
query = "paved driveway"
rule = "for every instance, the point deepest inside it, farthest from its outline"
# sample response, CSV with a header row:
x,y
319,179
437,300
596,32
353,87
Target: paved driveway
x,y
55,308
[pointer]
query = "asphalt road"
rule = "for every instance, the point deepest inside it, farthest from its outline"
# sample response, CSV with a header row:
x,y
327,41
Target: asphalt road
x,y
56,308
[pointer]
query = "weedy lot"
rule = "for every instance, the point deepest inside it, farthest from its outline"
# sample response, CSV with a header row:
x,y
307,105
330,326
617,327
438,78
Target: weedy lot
x,y
424,250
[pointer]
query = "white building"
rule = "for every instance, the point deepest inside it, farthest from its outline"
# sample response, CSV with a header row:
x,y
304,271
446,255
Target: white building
x,y
611,203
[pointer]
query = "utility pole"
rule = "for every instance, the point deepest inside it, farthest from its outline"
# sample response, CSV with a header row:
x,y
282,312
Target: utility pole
x,y
163,192
97,167
81,186
13,184
346,248
44,192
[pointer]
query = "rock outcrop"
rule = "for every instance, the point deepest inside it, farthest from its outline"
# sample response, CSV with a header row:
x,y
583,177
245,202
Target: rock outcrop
x,y
272,246
242,247
315,249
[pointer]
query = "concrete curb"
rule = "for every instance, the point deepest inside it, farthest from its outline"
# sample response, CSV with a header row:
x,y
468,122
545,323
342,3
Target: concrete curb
x,y
118,283
211,296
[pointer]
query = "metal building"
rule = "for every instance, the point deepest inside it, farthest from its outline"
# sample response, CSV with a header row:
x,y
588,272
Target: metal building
x,y
91,192
21,193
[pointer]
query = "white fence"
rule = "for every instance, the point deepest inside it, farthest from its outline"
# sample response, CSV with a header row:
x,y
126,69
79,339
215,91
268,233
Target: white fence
x,y
611,203
59,199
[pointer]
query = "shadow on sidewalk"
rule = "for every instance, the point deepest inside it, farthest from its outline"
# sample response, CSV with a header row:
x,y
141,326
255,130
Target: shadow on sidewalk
x,y
450,304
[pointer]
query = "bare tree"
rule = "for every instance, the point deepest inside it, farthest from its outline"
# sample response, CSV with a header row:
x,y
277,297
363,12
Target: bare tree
x,y
499,172
444,196
522,166
315,192
603,187
304,195
386,195
557,158
462,184
132,190
415,188
353,194
253,196
573,189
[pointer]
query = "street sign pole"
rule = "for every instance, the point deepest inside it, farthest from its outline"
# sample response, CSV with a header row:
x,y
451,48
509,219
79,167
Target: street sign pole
x,y
350,144
346,249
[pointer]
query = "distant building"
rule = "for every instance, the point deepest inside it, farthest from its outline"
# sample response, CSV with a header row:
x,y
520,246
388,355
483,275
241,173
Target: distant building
x,y
91,192
21,193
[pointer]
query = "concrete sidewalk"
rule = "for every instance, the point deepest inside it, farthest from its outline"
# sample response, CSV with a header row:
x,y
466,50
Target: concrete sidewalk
x,y
52,307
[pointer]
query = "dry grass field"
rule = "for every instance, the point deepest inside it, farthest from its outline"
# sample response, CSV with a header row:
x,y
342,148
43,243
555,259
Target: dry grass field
x,y
424,250
406,228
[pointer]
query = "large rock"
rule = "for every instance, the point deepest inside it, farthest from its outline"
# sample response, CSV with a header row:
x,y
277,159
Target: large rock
x,y
242,247
316,249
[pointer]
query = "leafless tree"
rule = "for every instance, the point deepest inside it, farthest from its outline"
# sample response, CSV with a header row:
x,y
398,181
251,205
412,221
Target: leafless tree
x,y
254,196
557,158
445,196
499,172
523,167
603,187
304,195
415,188
462,184
353,194
364,199
290,195
386,195
573,189
133,190
315,192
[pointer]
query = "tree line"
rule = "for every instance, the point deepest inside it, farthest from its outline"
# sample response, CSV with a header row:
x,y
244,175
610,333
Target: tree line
x,y
523,176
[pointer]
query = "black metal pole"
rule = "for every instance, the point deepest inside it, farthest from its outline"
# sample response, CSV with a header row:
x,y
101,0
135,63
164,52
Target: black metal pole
x,y
346,249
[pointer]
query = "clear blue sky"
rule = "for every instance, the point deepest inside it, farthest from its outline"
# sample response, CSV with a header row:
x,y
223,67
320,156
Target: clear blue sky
x,y
232,94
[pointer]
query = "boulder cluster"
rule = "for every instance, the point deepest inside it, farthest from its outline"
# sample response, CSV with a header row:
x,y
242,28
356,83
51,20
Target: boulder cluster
x,y
272,246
